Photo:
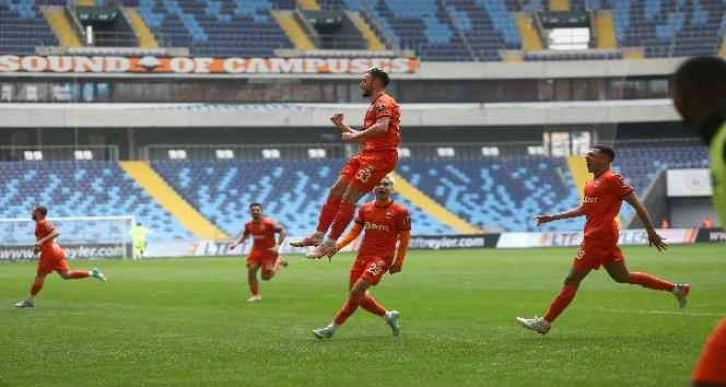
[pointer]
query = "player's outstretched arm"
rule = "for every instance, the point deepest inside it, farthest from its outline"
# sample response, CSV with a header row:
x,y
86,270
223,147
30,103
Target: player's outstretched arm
x,y
653,238
573,213
354,232
403,239
375,130
240,241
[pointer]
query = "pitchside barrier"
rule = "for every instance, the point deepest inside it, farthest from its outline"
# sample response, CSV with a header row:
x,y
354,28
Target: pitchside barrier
x,y
507,240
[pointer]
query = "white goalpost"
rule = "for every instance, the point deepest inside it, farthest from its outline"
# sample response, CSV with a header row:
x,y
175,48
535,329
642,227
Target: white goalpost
x,y
80,236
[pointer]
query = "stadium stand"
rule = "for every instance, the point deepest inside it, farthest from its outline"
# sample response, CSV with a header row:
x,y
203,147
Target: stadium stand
x,y
461,30
641,164
499,194
667,28
503,193
85,188
22,28
215,28
291,191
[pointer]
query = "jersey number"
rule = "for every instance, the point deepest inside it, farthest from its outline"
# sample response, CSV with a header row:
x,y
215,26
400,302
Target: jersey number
x,y
364,174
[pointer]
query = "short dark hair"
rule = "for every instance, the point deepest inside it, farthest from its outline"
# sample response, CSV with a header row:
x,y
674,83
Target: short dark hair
x,y
606,150
703,71
255,204
380,74
42,209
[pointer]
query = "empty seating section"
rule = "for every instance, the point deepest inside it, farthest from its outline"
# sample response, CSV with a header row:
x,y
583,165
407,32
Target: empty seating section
x,y
667,28
87,188
292,192
499,194
437,30
488,26
215,28
641,164
23,27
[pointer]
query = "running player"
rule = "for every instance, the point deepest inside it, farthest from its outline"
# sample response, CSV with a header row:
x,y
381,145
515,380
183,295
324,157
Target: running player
x,y
699,95
265,251
380,137
601,204
384,224
52,257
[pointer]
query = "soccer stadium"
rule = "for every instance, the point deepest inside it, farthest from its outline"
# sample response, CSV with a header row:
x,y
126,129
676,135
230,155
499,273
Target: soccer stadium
x,y
215,168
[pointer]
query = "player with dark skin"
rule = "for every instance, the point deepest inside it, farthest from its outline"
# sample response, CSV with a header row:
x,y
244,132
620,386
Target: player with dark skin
x,y
601,204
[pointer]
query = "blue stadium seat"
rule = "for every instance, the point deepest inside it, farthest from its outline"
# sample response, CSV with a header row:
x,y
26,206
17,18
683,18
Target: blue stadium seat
x,y
221,28
23,27
498,194
86,188
291,192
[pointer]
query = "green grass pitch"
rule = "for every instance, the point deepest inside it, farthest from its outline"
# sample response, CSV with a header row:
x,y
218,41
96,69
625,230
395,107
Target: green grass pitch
x,y
185,322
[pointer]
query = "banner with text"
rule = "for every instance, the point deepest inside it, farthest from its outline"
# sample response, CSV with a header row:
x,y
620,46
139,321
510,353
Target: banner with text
x,y
568,239
73,251
187,65
711,235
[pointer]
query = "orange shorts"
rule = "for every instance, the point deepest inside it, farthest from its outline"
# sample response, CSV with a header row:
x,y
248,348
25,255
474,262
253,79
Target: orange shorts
x,y
261,258
366,169
369,269
52,261
711,366
594,256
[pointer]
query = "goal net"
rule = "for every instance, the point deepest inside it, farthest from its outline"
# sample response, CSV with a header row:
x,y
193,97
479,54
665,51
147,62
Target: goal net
x,y
80,237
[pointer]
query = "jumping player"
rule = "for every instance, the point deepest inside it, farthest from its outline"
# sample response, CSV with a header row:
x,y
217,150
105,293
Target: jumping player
x,y
52,257
380,137
699,95
384,224
601,204
265,250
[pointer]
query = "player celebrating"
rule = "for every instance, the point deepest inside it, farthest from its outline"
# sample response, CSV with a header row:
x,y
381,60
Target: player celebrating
x,y
380,138
52,257
601,204
385,223
265,251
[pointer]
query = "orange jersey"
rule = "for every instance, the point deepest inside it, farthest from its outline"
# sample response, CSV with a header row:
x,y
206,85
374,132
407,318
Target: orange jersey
x,y
263,233
603,197
711,366
381,226
43,228
383,106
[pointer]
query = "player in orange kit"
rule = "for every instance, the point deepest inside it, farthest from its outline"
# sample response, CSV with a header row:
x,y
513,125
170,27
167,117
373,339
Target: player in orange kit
x,y
380,137
52,257
711,367
384,224
600,205
265,250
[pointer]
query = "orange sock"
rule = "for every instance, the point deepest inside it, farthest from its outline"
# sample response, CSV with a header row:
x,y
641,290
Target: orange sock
x,y
327,214
345,214
650,281
567,294
370,304
348,308
35,289
78,274
254,287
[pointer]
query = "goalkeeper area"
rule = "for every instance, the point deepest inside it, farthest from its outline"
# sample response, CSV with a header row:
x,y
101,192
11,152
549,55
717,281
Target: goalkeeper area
x,y
185,322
